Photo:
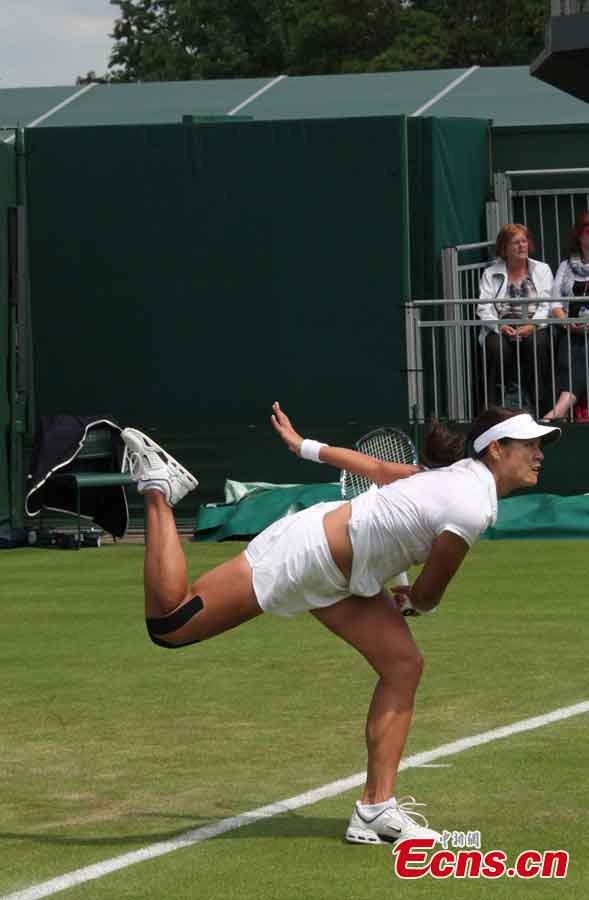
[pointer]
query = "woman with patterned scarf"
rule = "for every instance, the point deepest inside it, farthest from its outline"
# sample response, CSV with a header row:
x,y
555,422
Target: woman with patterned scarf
x,y
517,356
572,281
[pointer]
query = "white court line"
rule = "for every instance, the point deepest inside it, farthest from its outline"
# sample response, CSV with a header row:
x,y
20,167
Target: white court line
x,y
196,836
447,89
257,94
54,109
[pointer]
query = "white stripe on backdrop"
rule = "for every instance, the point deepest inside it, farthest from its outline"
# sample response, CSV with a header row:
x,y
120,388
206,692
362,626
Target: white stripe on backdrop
x,y
54,109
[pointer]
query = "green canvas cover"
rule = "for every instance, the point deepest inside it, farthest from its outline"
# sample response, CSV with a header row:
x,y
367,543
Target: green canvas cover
x,y
7,199
533,517
449,166
542,147
256,510
449,172
186,276
539,516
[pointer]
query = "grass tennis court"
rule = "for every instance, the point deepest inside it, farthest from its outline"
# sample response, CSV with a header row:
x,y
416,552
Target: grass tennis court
x,y
110,744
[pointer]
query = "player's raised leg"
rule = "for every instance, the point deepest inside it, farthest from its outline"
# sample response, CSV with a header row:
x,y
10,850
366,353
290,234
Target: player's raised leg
x,y
165,571
176,614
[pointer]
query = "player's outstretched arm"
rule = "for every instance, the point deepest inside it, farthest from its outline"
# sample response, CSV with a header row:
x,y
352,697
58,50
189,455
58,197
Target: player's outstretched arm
x,y
340,457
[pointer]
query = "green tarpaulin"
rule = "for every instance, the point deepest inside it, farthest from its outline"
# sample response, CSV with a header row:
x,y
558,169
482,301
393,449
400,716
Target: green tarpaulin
x,y
7,199
272,255
541,516
537,516
258,509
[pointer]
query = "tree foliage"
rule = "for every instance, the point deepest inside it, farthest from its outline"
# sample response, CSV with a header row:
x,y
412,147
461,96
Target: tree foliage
x,y
158,40
484,33
184,39
340,35
421,43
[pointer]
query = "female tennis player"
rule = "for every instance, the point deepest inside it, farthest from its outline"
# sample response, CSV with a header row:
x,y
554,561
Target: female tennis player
x,y
334,559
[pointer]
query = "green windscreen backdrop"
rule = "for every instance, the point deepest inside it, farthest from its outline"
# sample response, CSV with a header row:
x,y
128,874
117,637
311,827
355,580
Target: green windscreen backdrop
x,y
185,276
540,147
7,199
449,185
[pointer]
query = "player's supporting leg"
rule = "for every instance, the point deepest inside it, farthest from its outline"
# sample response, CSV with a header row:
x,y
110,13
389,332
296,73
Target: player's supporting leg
x,y
377,629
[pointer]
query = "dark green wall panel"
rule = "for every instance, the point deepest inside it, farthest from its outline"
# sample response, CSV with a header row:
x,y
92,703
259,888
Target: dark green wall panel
x,y
449,184
7,198
540,147
184,277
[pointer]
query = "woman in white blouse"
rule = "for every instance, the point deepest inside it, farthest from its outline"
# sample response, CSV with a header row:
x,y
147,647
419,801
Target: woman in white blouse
x,y
512,279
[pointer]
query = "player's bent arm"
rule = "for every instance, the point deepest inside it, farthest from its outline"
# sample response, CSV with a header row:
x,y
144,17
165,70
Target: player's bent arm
x,y
445,558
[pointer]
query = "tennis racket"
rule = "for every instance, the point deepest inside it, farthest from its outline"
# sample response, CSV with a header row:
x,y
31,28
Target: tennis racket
x,y
387,444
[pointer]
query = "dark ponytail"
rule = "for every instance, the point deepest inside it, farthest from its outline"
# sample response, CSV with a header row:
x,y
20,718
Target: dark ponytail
x,y
444,447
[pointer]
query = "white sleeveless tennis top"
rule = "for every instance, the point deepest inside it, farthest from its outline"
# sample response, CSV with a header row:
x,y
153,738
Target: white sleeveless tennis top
x,y
393,527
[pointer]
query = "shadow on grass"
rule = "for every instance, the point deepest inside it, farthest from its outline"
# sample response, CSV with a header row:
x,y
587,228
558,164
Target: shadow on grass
x,y
288,825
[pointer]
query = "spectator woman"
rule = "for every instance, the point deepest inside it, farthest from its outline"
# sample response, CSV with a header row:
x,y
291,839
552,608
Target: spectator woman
x,y
572,281
517,356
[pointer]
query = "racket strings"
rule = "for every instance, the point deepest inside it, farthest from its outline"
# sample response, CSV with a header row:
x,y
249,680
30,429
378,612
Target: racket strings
x,y
387,445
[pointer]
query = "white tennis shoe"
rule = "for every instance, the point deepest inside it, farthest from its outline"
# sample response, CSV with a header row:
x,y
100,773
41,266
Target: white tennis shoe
x,y
152,468
396,822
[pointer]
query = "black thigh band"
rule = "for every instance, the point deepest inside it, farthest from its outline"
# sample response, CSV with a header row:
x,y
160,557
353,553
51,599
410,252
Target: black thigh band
x,y
167,624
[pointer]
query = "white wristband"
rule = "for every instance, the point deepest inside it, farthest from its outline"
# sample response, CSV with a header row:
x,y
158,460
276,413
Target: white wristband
x,y
310,450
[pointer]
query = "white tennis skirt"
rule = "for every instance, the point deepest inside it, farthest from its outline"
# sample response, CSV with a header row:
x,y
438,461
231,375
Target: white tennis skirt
x,y
292,567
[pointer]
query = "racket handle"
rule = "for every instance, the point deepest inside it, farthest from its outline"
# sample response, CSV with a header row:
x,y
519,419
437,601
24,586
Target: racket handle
x,y
406,606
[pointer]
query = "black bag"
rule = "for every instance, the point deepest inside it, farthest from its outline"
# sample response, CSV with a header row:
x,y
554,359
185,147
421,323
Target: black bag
x,y
58,449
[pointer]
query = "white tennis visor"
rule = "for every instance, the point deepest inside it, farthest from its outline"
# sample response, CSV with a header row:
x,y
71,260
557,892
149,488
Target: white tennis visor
x,y
521,428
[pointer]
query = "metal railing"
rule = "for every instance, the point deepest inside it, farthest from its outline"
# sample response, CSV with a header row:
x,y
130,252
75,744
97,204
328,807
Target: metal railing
x,y
548,212
455,386
462,267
